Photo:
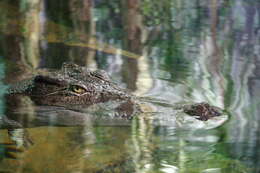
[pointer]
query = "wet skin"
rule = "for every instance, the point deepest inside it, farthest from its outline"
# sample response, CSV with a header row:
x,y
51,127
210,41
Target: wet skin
x,y
75,87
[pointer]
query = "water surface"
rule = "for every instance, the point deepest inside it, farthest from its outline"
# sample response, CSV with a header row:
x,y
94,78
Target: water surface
x,y
173,51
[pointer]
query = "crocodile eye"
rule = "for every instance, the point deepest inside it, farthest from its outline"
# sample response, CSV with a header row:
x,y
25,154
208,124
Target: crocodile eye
x,y
77,89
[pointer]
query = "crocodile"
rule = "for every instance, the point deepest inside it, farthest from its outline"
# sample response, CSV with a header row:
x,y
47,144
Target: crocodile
x,y
75,88
78,96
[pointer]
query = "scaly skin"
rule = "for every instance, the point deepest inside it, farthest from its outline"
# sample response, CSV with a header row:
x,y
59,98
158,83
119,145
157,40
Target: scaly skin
x,y
57,87
78,87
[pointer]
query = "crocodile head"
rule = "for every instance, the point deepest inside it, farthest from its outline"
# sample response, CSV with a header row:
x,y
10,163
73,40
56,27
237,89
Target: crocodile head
x,y
73,85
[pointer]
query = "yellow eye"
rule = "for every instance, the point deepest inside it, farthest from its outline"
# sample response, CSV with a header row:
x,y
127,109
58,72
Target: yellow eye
x,y
77,89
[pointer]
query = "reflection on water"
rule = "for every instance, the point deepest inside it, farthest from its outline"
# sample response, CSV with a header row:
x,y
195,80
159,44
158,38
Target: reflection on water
x,y
177,51
69,150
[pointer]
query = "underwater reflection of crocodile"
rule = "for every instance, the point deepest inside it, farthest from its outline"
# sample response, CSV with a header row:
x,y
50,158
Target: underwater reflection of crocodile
x,y
80,99
76,95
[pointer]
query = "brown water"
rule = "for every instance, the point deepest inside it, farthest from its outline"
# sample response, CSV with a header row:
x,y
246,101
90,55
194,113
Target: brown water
x,y
170,50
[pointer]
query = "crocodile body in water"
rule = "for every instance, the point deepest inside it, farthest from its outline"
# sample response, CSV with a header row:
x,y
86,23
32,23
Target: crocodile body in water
x,y
77,96
64,94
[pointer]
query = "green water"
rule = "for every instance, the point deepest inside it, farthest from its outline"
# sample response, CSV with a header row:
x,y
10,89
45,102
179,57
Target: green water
x,y
170,50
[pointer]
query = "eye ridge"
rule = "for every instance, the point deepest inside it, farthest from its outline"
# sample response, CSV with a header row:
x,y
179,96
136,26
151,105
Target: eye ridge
x,y
77,89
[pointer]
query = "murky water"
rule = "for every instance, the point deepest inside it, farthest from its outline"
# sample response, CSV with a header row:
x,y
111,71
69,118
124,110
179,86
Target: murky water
x,y
169,51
